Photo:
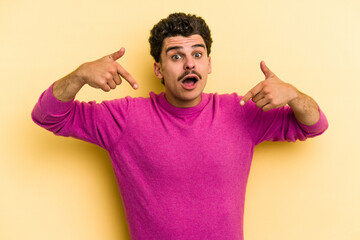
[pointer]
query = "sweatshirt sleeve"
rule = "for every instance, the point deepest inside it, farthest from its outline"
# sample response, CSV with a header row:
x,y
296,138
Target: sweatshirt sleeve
x,y
101,124
279,124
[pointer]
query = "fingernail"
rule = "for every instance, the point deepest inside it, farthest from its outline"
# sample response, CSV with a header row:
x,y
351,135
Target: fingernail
x,y
135,86
242,103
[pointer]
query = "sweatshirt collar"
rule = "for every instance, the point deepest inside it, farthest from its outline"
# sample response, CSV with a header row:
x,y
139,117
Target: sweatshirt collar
x,y
182,111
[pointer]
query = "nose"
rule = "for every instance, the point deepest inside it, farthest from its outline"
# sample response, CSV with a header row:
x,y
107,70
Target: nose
x,y
189,63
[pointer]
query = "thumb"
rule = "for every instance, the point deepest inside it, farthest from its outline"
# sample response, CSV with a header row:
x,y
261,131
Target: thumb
x,y
266,71
118,54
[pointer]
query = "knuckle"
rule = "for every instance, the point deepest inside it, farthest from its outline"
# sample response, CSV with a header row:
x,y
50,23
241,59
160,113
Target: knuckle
x,y
112,71
101,81
114,67
108,76
266,90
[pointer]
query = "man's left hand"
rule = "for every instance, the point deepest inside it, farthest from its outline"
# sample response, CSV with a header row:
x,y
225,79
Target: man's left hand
x,y
270,93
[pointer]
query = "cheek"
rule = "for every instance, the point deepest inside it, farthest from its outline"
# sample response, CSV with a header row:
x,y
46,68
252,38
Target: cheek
x,y
171,74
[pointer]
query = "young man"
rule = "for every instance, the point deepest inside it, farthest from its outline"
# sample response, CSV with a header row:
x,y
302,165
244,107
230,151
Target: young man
x,y
181,158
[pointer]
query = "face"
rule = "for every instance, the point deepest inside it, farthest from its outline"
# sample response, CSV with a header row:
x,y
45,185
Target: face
x,y
184,66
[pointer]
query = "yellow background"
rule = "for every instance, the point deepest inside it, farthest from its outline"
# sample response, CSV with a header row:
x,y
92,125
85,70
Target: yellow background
x,y
60,188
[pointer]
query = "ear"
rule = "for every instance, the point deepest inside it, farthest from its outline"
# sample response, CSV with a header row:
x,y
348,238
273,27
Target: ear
x,y
209,71
157,70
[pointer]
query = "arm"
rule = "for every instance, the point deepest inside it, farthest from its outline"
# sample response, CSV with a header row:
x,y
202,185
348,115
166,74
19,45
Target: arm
x,y
305,109
274,93
97,123
104,73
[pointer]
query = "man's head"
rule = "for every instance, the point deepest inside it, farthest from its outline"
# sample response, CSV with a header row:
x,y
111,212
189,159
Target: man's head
x,y
178,24
181,46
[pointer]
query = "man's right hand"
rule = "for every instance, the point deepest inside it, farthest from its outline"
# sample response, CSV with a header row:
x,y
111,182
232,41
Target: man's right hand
x,y
104,73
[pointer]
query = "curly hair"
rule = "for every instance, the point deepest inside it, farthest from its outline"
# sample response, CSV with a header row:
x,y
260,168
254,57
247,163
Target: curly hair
x,y
178,24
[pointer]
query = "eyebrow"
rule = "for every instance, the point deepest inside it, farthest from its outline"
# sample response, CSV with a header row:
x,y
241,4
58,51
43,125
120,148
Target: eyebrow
x,y
178,47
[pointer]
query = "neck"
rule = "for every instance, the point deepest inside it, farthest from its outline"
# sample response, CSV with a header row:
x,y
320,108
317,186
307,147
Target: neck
x,y
182,103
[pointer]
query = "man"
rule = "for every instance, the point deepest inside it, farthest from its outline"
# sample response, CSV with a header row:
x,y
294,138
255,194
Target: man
x,y
181,158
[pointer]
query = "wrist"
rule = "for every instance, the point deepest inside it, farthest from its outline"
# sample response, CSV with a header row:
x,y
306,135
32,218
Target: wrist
x,y
75,80
305,109
66,88
295,97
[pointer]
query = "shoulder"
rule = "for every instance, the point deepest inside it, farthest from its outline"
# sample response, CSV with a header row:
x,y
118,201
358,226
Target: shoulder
x,y
128,100
129,103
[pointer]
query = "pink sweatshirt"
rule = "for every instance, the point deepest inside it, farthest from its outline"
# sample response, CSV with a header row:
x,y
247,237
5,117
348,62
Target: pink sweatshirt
x,y
182,172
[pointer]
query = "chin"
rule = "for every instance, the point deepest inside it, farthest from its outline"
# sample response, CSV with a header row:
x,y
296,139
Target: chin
x,y
192,96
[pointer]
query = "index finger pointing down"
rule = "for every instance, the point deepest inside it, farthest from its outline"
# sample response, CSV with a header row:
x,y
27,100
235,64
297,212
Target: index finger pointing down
x,y
127,76
250,94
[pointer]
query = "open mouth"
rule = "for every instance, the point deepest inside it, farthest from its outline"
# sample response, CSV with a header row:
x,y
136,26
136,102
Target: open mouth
x,y
189,81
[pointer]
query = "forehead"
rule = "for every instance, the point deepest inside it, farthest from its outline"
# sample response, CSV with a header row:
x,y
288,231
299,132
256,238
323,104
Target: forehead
x,y
183,42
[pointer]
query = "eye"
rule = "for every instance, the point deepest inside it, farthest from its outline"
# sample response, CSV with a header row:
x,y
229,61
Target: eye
x,y
197,55
176,57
